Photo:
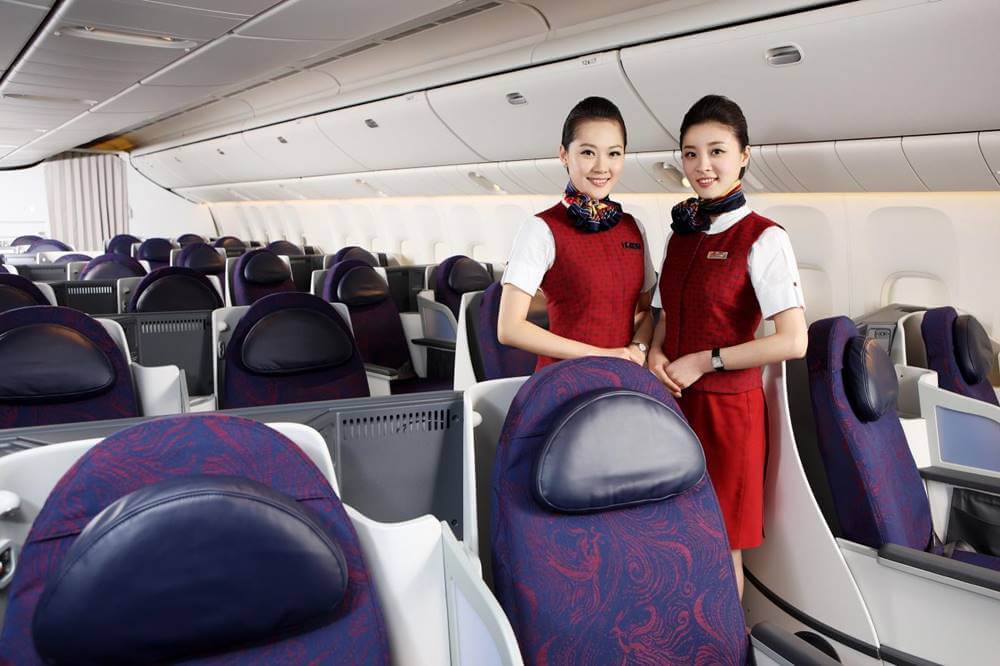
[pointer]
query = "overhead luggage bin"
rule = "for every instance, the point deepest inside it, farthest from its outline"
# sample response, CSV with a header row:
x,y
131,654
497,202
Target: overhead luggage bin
x,y
780,173
817,167
989,143
536,101
227,159
838,88
950,162
394,134
296,89
531,179
298,148
879,165
163,168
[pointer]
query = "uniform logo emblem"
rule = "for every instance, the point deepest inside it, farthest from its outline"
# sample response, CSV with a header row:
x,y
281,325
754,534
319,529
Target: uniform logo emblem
x,y
629,245
715,254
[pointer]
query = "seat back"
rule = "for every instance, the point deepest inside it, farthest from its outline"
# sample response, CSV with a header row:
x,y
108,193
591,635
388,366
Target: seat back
x,y
111,267
19,292
60,366
605,527
121,244
285,247
231,244
352,252
156,251
244,479
490,359
47,245
374,317
26,239
456,276
202,258
291,347
959,350
174,289
877,491
187,239
259,273
74,256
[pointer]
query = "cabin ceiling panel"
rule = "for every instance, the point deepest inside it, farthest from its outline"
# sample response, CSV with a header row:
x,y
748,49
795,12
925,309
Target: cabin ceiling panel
x,y
636,179
99,124
151,18
344,20
224,160
162,168
289,90
853,81
244,8
153,100
130,60
778,171
520,115
989,143
394,134
879,165
19,22
562,14
63,86
299,148
950,162
232,59
817,167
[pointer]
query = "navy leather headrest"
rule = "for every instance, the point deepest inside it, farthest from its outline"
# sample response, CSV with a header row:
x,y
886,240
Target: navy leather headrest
x,y
178,292
27,239
19,292
156,249
973,349
111,267
317,343
187,239
66,258
189,567
204,259
285,247
51,362
121,244
230,242
869,379
468,275
48,245
265,268
359,254
615,448
362,286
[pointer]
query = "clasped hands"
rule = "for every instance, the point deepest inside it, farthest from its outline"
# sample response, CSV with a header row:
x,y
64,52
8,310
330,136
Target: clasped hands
x,y
681,373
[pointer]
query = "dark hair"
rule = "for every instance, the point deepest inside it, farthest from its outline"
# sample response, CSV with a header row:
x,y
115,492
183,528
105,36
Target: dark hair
x,y
591,108
716,108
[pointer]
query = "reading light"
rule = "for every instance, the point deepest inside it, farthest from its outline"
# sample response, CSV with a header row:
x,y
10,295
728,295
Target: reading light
x,y
122,37
485,183
49,99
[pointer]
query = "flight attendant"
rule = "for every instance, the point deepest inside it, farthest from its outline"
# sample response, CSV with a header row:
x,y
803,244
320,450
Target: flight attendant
x,y
589,258
725,268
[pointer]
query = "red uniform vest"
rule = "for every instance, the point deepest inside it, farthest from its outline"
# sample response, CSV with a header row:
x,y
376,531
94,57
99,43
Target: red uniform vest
x,y
594,283
708,299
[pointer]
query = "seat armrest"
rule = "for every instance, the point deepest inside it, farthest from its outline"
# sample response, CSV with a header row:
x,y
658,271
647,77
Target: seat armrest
x,y
436,343
962,479
382,371
781,646
941,566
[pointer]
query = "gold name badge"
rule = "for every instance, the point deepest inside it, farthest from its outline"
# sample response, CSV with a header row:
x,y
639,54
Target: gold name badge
x,y
715,254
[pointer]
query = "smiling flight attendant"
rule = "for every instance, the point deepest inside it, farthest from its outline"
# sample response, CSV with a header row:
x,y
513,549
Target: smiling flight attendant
x,y
725,268
588,256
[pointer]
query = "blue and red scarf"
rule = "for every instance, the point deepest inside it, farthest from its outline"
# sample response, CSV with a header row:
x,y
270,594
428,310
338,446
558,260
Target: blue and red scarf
x,y
695,214
589,214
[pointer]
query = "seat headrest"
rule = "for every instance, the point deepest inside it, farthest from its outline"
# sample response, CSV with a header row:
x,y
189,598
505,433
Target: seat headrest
x,y
175,289
26,239
468,275
869,379
355,253
156,249
265,267
973,349
318,342
285,247
19,292
66,258
111,267
49,362
614,448
121,244
361,285
230,242
181,559
48,245
187,239
202,258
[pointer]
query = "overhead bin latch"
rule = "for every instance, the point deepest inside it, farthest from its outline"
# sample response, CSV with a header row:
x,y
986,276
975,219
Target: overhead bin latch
x,y
516,98
779,56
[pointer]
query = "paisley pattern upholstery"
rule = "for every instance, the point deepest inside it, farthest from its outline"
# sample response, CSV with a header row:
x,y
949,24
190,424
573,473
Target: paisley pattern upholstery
x,y
937,330
498,360
188,445
243,388
651,584
118,402
443,292
878,493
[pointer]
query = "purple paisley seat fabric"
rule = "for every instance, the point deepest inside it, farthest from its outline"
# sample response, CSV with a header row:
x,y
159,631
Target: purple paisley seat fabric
x,y
496,360
190,445
877,490
456,276
648,584
938,330
68,369
259,273
289,348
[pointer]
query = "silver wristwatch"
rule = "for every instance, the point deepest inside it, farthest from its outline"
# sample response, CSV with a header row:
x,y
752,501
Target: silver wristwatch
x,y
717,364
643,347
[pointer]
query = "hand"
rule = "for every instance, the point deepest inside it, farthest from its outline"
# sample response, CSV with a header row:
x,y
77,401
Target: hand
x,y
689,368
636,354
658,363
624,353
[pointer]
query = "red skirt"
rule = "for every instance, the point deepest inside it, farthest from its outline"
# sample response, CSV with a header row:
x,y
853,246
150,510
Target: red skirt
x,y
732,428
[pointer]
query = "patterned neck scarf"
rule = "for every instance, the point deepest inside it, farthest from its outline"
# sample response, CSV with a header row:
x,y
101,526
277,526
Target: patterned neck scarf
x,y
589,214
695,214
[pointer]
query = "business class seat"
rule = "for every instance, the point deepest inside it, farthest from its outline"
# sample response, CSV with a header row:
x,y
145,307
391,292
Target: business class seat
x,y
285,247
112,267
256,274
377,326
203,258
19,292
155,251
187,239
286,348
121,244
71,257
47,245
174,289
607,541
26,239
439,305
479,355
959,350
232,245
353,252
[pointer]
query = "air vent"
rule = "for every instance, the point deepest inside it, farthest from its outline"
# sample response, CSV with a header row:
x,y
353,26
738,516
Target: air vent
x,y
469,12
781,56
411,31
359,49
388,425
247,89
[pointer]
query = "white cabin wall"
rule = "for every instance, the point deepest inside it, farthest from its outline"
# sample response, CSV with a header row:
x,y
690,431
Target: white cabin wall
x,y
849,246
24,208
156,212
